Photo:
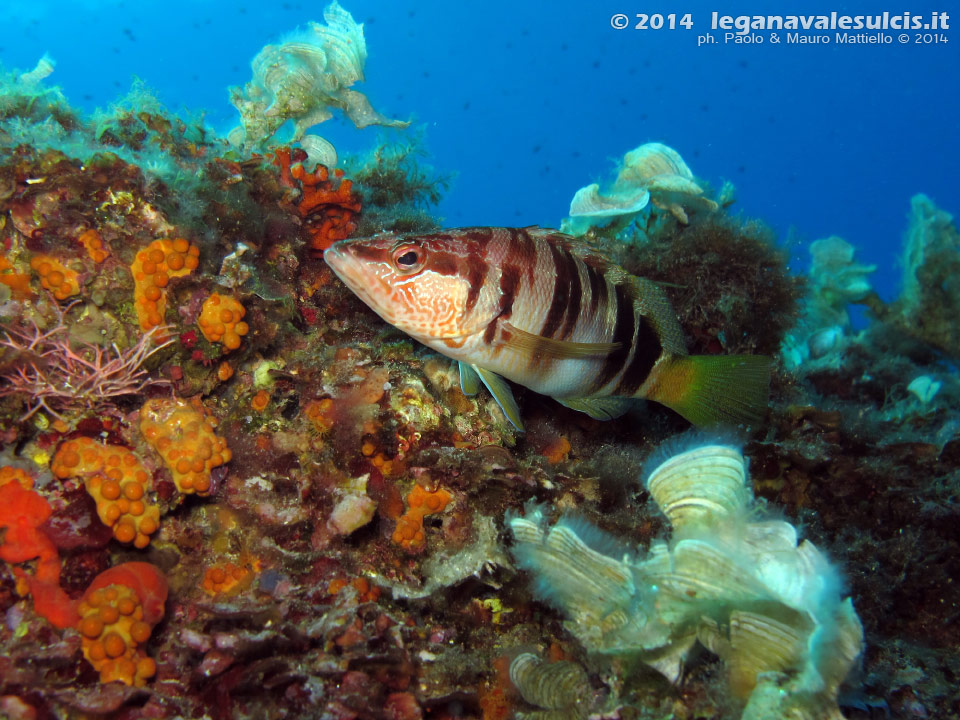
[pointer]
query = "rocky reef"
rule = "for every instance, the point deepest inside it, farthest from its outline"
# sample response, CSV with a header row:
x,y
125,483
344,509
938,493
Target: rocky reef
x,y
228,489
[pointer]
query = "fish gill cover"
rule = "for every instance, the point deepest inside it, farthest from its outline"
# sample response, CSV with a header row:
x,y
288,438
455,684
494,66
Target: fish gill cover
x,y
229,489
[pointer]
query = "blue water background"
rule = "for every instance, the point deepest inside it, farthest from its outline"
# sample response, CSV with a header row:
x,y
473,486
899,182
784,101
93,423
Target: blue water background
x,y
529,101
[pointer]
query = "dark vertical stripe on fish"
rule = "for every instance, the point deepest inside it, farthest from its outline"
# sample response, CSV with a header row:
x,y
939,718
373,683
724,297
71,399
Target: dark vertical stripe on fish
x,y
622,333
573,300
514,254
598,289
479,235
509,283
477,269
525,252
562,267
646,349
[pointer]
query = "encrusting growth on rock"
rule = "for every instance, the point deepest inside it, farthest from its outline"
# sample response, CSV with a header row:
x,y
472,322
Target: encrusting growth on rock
x,y
119,484
182,433
117,614
421,502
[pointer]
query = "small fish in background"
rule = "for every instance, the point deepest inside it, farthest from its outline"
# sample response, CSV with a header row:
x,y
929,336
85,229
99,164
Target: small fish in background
x,y
533,306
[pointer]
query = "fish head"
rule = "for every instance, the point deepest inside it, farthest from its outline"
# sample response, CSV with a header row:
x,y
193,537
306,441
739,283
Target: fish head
x,y
419,284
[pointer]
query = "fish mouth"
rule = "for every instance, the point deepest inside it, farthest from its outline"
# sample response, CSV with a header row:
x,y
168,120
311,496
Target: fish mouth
x,y
332,255
353,274
342,263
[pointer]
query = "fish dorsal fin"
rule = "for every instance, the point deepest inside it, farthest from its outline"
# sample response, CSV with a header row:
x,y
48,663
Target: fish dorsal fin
x,y
580,247
538,345
502,393
469,380
600,408
654,305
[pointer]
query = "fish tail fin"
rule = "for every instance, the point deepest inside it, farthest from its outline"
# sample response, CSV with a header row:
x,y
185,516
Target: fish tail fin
x,y
713,389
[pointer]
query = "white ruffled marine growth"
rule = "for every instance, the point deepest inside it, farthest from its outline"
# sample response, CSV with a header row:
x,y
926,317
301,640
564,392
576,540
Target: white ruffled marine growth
x,y
652,173
769,606
303,79
837,279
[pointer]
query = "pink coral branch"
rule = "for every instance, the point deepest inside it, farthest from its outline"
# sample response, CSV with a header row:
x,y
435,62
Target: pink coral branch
x,y
63,376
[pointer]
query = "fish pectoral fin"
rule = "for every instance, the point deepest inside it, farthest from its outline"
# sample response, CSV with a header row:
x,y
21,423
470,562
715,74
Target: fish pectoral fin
x,y
599,408
537,345
502,393
469,380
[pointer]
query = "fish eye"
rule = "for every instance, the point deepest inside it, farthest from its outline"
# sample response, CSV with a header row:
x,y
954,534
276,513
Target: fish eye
x,y
408,258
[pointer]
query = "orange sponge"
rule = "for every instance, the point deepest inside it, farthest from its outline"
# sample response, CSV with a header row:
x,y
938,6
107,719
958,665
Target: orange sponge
x,y
152,270
227,579
19,283
117,614
183,434
421,502
55,276
93,243
329,214
12,474
22,512
221,320
366,592
117,481
321,414
557,451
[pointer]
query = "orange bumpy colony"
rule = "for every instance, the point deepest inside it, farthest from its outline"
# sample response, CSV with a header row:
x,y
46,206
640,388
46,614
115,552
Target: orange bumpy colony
x,y
221,320
421,502
260,401
55,276
93,243
152,270
227,579
117,481
224,371
117,614
366,592
12,474
320,414
182,433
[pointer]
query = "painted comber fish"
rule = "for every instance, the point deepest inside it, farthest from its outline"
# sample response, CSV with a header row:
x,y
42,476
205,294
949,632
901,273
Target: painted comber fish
x,y
534,306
